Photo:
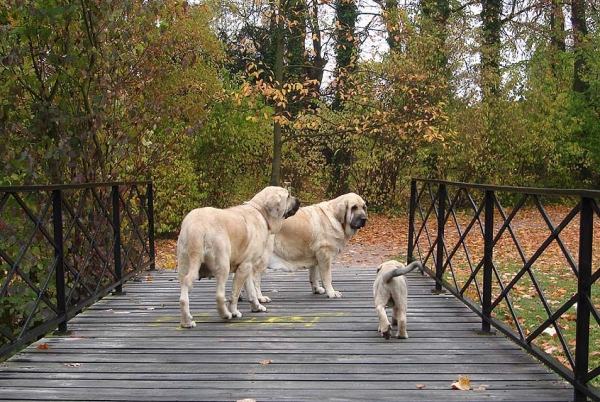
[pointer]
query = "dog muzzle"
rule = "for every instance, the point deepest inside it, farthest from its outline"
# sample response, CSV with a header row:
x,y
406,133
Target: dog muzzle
x,y
358,222
294,209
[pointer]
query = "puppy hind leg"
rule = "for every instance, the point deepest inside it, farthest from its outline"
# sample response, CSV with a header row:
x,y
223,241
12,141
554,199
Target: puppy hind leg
x,y
400,317
384,324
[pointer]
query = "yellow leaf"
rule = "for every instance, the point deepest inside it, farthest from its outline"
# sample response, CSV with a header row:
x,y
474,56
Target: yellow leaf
x,y
463,383
264,362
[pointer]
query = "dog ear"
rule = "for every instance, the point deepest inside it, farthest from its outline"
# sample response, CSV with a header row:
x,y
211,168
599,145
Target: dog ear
x,y
340,210
274,206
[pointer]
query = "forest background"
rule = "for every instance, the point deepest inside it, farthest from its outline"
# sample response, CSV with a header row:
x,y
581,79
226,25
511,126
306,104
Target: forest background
x,y
216,99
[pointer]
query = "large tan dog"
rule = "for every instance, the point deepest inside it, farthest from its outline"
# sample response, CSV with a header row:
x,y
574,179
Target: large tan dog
x,y
389,289
312,238
214,242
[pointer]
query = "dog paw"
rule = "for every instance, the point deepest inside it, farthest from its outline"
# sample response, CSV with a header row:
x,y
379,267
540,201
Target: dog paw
x,y
334,295
387,334
319,290
190,324
236,314
226,316
264,299
259,309
402,336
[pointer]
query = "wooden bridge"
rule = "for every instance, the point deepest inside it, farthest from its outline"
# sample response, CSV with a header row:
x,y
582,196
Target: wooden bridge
x,y
305,348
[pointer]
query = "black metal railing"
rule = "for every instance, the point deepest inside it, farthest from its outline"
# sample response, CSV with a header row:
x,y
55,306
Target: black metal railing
x,y
529,268
63,247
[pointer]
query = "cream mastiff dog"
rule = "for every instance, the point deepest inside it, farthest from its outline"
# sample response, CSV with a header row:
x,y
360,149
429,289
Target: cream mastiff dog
x,y
312,238
389,289
216,242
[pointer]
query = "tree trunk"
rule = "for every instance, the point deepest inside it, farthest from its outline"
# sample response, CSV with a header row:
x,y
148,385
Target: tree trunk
x,y
277,129
346,48
490,49
438,12
579,37
392,23
316,63
557,35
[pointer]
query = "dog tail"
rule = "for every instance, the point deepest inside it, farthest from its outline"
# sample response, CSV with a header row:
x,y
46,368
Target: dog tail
x,y
402,271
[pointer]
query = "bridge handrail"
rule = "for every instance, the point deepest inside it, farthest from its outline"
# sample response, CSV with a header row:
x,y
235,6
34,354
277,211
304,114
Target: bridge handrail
x,y
458,229
63,247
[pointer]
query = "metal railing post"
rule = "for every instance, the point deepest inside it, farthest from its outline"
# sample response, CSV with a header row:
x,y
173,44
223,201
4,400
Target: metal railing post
x,y
150,198
488,260
59,254
439,263
411,222
117,237
582,336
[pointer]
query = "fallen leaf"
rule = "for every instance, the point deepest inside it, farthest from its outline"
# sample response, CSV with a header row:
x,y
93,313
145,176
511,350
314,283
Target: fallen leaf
x,y
246,400
43,346
463,383
550,331
480,388
420,386
73,364
149,278
267,361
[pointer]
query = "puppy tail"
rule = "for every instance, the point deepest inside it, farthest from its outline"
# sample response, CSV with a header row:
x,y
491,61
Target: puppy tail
x,y
402,271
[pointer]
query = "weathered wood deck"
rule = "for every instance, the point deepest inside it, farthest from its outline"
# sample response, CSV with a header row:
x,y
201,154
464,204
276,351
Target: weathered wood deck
x,y
305,348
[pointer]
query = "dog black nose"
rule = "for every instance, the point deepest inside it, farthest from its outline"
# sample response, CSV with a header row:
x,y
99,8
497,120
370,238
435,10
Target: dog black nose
x,y
294,209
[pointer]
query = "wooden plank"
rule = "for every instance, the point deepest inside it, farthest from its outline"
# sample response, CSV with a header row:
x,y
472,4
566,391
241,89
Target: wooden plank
x,y
306,347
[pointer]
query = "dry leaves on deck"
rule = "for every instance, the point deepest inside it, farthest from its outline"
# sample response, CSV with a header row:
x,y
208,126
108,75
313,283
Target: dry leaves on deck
x,y
463,383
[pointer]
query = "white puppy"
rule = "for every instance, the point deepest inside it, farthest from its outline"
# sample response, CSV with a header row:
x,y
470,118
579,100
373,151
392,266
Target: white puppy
x,y
389,289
